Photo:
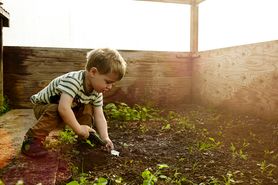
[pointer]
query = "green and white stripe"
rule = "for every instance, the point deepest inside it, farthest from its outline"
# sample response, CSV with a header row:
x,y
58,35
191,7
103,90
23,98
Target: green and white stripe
x,y
72,84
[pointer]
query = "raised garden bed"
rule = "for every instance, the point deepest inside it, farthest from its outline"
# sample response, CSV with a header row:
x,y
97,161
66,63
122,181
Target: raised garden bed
x,y
192,145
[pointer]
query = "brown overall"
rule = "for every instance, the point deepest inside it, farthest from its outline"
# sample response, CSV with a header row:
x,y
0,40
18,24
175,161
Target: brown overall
x,y
48,118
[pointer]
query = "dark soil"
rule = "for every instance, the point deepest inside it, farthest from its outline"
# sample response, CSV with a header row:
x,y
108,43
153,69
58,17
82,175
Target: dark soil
x,y
201,146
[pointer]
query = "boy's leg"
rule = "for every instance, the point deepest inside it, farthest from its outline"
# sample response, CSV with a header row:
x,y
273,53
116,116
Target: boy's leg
x,y
84,115
48,119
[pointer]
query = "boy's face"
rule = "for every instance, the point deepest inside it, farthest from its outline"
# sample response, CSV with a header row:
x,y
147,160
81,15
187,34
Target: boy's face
x,y
101,82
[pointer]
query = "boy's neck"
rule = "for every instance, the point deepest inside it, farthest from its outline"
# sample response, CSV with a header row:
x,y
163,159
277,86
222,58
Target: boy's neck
x,y
88,90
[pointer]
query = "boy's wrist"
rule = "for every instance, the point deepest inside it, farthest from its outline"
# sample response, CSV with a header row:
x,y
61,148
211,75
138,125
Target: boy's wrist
x,y
103,135
77,129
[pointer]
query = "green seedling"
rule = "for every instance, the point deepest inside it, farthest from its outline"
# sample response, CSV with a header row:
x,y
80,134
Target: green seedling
x,y
68,136
266,168
90,143
190,149
214,181
238,153
245,144
151,178
195,167
167,126
143,128
5,107
233,149
220,133
123,112
179,179
101,181
208,144
73,183
182,121
117,179
84,181
185,123
182,159
228,178
173,115
242,155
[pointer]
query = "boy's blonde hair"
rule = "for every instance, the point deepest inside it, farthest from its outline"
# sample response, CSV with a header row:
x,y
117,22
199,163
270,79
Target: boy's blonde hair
x,y
106,61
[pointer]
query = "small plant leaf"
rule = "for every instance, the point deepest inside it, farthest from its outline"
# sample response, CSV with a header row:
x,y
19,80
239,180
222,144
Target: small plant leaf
x,y
73,183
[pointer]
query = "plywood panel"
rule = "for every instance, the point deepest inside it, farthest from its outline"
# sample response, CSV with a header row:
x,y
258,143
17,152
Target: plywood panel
x,y
153,77
243,79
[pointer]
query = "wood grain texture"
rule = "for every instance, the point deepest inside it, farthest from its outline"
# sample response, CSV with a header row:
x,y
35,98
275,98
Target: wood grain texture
x,y
194,25
242,79
177,1
1,64
157,78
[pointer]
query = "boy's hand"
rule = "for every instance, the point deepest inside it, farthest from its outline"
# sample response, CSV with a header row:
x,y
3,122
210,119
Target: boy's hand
x,y
84,131
109,144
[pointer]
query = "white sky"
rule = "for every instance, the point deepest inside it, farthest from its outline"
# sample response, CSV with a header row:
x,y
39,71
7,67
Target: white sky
x,y
138,25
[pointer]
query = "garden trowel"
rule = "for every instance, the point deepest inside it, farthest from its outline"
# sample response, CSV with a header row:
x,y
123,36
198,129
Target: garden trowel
x,y
94,138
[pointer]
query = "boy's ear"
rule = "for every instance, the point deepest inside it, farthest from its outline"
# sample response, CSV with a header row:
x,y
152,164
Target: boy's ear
x,y
93,71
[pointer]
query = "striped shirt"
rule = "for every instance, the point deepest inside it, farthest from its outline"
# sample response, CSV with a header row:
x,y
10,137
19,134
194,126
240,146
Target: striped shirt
x,y
71,83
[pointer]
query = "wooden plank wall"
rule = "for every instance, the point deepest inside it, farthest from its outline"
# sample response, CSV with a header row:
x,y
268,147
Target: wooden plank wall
x,y
155,78
242,79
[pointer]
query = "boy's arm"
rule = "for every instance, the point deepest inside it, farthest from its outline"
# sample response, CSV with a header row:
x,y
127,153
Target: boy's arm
x,y
101,125
65,111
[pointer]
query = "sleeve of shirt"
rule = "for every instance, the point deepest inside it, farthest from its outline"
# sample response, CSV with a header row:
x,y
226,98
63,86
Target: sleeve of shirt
x,y
69,85
98,101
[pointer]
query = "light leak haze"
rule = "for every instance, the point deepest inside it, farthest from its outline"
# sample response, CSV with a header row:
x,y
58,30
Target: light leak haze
x,y
138,25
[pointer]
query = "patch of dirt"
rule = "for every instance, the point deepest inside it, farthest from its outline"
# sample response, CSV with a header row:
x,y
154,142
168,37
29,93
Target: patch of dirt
x,y
47,170
200,145
7,152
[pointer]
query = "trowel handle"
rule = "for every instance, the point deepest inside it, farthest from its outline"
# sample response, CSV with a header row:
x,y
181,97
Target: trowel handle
x,y
95,138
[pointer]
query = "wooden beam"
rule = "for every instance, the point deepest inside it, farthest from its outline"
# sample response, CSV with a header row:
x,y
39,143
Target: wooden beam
x,y
1,64
5,16
194,28
199,1
171,1
177,1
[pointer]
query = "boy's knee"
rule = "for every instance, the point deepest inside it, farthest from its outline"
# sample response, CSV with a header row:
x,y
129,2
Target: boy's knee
x,y
86,119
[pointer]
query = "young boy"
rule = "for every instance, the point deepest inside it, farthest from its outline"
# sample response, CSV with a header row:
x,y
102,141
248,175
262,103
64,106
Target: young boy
x,y
75,99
